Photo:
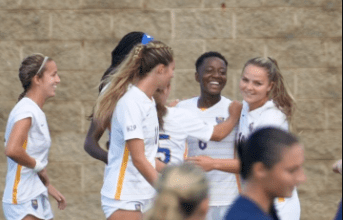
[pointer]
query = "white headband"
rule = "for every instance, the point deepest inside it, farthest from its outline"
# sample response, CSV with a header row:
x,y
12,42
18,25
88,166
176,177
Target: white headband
x,y
43,64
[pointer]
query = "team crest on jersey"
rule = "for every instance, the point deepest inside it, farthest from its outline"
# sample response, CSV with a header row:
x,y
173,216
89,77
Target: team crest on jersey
x,y
34,204
220,119
251,127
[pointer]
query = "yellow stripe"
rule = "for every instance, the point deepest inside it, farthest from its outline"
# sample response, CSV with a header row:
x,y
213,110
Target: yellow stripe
x,y
281,200
122,173
17,180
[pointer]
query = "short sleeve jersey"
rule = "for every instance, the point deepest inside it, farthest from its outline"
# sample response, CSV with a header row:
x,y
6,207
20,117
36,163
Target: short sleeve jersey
x,y
265,116
180,123
245,209
22,183
223,186
134,117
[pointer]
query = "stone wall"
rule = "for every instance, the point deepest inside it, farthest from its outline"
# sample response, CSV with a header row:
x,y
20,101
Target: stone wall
x,y
305,36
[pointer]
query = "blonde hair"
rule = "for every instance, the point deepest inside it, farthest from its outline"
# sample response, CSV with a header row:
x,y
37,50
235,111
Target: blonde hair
x,y
181,190
280,94
136,66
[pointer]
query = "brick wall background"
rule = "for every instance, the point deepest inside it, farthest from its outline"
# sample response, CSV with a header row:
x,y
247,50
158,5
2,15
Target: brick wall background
x,y
305,36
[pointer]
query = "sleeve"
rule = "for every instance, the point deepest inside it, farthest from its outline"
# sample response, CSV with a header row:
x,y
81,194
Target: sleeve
x,y
130,118
23,113
195,127
273,118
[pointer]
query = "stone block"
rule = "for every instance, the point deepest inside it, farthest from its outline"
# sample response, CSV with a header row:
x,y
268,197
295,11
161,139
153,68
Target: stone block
x,y
73,25
93,180
159,4
97,54
3,157
319,83
63,116
232,3
319,22
321,208
264,23
155,23
65,177
334,52
67,147
187,52
10,86
185,85
5,110
67,55
237,52
3,173
310,114
85,206
322,144
297,53
24,25
43,4
9,4
203,24
301,3
110,4
334,113
78,85
10,58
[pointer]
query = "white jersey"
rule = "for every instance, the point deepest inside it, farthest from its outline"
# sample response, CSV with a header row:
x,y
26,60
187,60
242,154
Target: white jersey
x,y
223,186
269,116
22,183
180,123
135,117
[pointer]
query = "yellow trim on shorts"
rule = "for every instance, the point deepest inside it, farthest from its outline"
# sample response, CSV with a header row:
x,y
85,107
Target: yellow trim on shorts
x,y
122,173
17,181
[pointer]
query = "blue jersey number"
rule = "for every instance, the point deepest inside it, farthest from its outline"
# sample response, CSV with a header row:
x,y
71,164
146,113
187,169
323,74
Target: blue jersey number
x,y
166,153
202,145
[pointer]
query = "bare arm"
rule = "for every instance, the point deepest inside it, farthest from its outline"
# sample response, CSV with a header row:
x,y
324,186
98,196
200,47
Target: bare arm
x,y
160,165
137,148
16,144
92,146
61,200
209,164
224,129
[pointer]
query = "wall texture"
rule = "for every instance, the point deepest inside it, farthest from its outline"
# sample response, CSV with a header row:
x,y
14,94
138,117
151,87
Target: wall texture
x,y
305,36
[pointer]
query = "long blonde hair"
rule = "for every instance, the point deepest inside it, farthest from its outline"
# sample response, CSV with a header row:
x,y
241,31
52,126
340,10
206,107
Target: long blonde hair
x,y
181,191
137,65
282,98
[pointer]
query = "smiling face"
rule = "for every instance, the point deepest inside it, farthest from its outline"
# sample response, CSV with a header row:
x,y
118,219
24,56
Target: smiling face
x,y
50,79
282,179
255,86
165,74
212,76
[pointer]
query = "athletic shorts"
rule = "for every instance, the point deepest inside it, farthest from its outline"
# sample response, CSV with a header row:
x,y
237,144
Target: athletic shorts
x,y
289,208
39,207
217,212
110,206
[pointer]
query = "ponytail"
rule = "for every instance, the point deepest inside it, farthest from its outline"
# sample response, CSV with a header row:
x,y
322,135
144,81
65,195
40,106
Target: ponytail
x,y
138,64
280,94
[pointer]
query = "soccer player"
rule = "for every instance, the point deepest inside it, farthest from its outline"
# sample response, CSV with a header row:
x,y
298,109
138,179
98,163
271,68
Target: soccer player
x,y
272,166
182,194
27,144
267,102
128,109
176,124
211,107
119,53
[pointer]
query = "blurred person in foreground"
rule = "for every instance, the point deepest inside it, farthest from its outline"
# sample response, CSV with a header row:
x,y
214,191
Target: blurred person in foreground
x,y
337,168
272,166
183,194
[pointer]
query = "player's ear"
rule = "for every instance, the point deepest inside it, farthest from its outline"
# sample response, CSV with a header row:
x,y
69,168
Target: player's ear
x,y
197,77
260,171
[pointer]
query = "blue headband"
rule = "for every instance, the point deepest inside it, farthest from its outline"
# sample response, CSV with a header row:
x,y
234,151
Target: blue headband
x,y
146,39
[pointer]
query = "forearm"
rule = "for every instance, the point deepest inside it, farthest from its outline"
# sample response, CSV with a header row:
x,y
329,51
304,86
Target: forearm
x,y
160,165
227,165
93,148
224,129
146,169
21,157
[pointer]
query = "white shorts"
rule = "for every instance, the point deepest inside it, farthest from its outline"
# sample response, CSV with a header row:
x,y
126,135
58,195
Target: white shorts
x,y
110,206
39,207
217,212
289,208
